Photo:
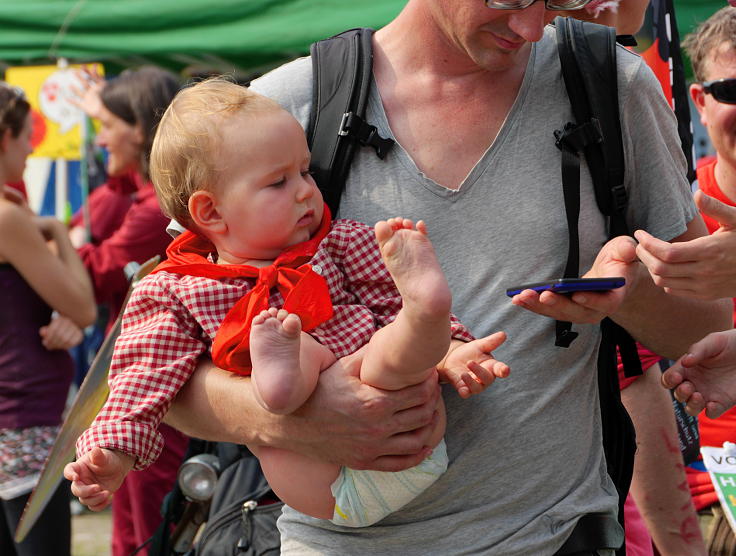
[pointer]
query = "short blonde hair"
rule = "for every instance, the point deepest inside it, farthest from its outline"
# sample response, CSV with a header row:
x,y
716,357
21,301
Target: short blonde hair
x,y
704,42
184,153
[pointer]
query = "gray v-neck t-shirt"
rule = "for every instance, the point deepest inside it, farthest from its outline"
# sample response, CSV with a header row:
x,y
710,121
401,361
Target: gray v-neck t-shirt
x,y
526,459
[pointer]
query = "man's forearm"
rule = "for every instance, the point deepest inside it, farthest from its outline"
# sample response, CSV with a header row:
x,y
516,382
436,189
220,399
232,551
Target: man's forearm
x,y
668,324
219,406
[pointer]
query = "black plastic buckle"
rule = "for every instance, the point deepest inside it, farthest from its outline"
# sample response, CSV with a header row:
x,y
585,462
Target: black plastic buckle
x,y
619,198
353,125
575,138
564,337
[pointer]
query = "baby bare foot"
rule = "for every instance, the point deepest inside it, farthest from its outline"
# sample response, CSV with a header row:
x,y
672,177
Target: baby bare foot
x,y
274,342
412,263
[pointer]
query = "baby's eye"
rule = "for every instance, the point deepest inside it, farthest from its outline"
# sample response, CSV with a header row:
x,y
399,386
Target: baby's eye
x,y
279,183
307,172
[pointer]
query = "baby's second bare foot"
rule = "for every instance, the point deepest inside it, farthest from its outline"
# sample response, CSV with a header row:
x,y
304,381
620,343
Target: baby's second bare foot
x,y
410,258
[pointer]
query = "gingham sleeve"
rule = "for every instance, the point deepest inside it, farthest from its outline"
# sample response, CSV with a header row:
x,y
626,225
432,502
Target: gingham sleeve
x,y
154,356
368,278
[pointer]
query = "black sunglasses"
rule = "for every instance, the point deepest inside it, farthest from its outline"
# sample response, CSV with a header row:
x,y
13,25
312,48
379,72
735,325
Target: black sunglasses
x,y
722,90
548,4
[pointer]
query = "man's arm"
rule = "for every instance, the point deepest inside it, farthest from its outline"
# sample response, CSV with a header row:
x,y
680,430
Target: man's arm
x,y
659,485
344,421
665,324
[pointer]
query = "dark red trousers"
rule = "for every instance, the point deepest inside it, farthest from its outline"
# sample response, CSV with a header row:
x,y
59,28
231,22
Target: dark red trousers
x,y
136,506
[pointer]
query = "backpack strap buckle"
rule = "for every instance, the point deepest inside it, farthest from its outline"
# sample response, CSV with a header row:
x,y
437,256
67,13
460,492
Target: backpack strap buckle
x,y
353,125
619,198
575,138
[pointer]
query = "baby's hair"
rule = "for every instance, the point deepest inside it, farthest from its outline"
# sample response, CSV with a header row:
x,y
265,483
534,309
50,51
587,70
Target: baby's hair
x,y
184,156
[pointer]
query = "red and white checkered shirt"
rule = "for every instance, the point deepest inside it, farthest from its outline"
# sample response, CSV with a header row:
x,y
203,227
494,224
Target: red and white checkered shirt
x,y
172,319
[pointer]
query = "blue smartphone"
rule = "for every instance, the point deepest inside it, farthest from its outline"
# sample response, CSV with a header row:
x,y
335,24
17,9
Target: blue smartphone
x,y
570,285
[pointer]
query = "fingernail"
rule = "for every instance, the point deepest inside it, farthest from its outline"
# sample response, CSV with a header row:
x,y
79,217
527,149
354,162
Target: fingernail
x,y
580,299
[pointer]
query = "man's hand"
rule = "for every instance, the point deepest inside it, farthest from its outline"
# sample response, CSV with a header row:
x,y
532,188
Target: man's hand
x,y
470,367
355,425
616,258
97,475
705,377
60,333
704,268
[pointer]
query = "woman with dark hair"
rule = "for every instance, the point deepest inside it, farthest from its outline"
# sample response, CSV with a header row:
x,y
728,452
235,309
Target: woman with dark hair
x,y
35,366
129,108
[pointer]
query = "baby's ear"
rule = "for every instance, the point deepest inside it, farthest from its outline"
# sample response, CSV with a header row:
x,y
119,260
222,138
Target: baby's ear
x,y
203,209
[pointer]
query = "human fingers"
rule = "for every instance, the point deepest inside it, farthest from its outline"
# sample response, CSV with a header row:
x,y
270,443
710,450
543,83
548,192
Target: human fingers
x,y
672,377
714,409
99,502
424,395
499,369
491,342
665,252
722,213
695,403
558,307
393,464
483,372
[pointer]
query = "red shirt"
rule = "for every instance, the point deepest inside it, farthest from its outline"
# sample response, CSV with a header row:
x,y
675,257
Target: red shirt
x,y
140,236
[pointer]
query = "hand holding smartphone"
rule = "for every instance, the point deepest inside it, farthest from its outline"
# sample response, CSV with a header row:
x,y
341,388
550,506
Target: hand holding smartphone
x,y
570,285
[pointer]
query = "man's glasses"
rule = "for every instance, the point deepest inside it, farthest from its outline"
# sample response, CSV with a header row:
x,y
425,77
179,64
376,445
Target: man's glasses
x,y
548,4
722,90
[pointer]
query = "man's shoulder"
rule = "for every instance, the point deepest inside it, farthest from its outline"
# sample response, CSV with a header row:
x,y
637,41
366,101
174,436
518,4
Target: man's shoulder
x,y
290,85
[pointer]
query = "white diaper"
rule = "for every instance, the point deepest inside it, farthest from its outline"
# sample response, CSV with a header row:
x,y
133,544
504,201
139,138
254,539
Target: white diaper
x,y
363,498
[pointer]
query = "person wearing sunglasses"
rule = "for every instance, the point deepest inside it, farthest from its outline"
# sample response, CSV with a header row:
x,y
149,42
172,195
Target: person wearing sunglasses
x,y
707,267
471,91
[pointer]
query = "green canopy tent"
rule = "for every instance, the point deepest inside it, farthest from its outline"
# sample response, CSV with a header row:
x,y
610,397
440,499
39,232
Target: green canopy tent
x,y
235,36
238,36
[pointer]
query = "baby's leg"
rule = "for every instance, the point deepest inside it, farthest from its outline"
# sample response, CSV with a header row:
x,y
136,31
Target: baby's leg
x,y
286,362
401,353
300,481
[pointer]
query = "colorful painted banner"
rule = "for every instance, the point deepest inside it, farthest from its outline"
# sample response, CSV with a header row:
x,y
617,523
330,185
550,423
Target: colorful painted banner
x,y
56,120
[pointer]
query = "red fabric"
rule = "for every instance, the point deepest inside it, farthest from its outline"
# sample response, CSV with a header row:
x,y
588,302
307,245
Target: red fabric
x,y
19,186
304,291
136,506
638,539
647,359
713,432
108,205
171,320
141,235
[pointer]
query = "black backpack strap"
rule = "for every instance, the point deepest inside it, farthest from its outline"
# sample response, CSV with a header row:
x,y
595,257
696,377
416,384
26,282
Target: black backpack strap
x,y
588,57
342,67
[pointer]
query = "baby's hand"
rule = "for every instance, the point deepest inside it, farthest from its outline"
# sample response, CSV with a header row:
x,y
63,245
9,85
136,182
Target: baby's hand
x,y
97,475
471,368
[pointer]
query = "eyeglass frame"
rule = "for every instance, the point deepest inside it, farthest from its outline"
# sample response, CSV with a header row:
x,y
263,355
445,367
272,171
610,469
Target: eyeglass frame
x,y
708,89
530,2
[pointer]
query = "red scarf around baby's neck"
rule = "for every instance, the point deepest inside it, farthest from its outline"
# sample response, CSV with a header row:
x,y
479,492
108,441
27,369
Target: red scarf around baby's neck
x,y
304,291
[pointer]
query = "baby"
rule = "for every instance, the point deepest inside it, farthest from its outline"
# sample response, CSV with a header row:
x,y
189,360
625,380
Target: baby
x,y
274,289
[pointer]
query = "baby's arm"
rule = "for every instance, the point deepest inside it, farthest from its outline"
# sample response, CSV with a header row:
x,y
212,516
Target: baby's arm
x,y
97,475
470,366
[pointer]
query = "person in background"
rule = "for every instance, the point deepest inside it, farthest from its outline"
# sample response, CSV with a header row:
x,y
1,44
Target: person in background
x,y
712,51
36,369
657,510
129,108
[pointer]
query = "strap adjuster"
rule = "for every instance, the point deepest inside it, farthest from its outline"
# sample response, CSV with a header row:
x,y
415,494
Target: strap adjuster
x,y
575,138
353,125
619,198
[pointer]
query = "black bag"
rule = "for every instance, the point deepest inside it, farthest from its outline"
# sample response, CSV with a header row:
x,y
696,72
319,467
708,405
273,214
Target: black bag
x,y
243,510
